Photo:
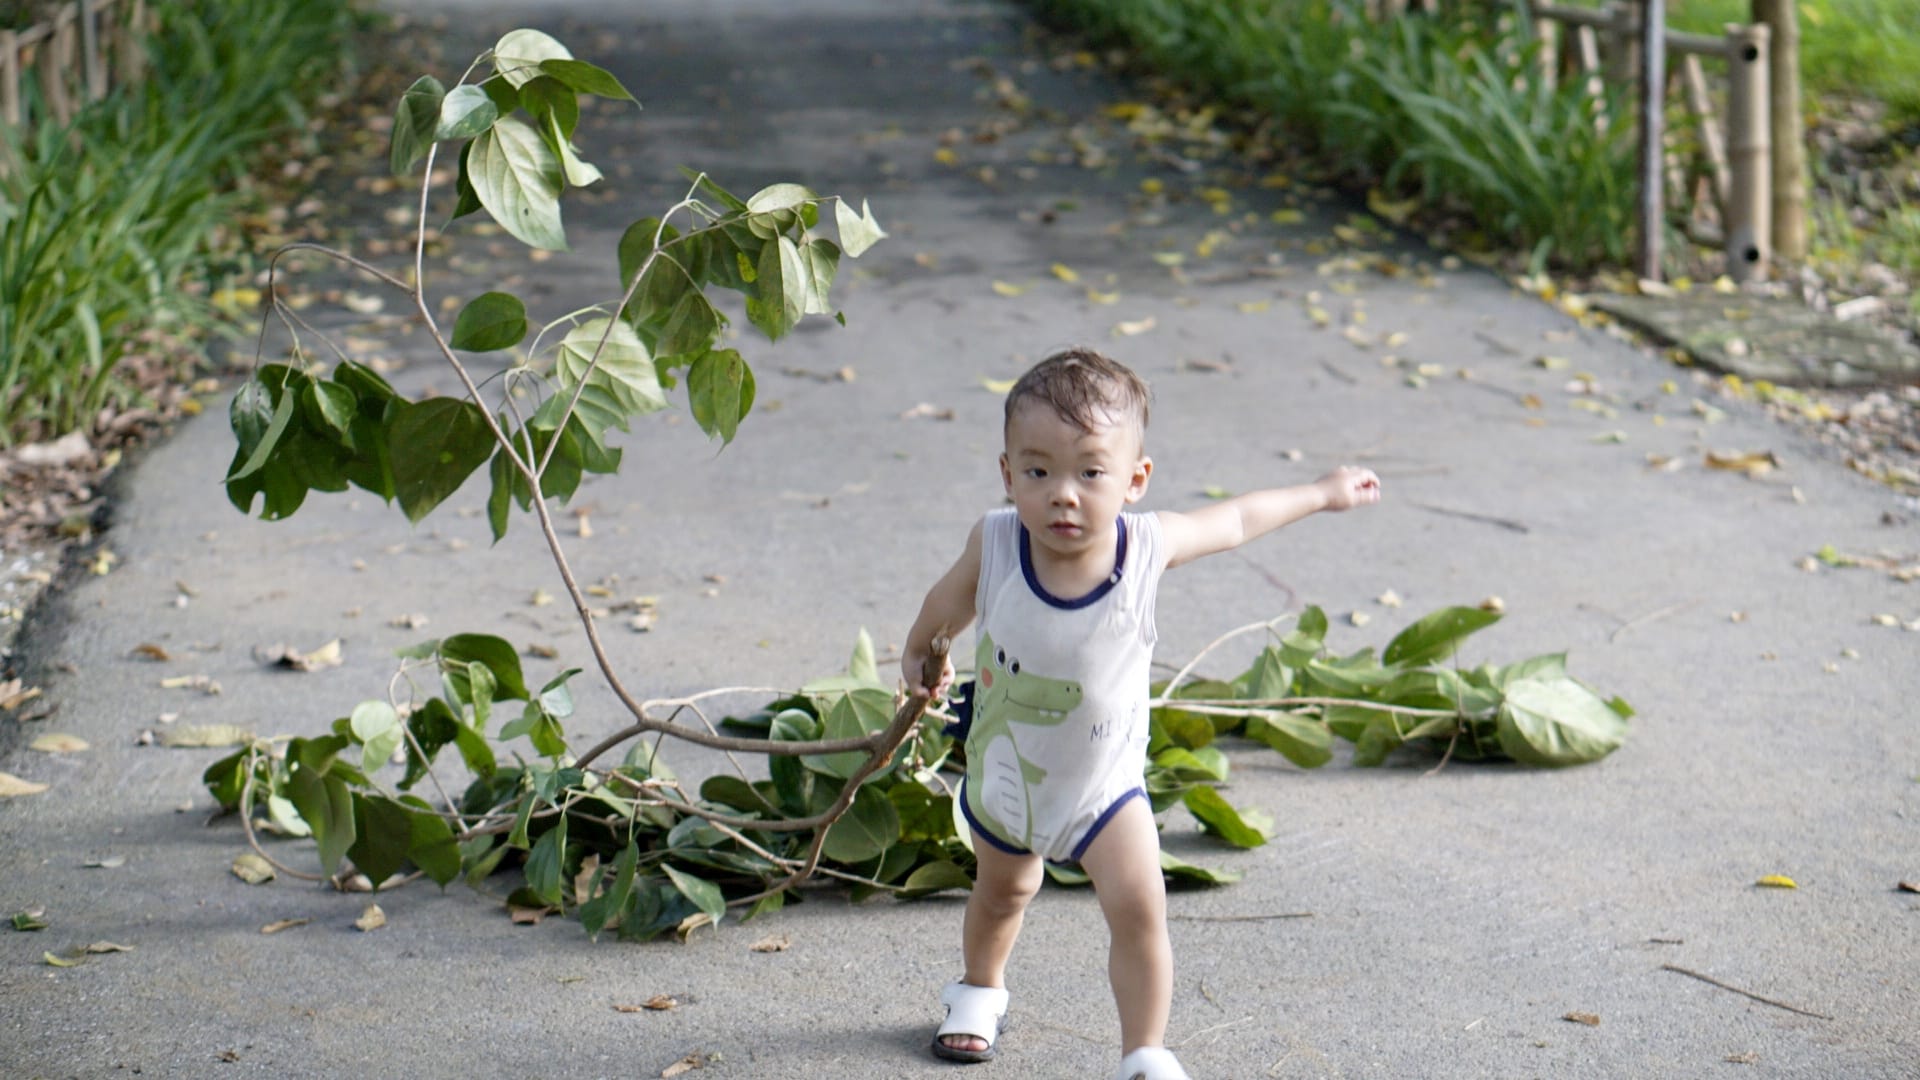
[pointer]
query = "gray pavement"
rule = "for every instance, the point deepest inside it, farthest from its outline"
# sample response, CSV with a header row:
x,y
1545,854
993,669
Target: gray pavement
x,y
1456,917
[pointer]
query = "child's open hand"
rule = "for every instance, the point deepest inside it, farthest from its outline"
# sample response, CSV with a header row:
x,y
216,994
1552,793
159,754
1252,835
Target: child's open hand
x,y
1349,486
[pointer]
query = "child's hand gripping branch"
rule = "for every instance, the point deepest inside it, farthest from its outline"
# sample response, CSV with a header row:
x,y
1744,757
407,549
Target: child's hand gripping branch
x,y
1064,586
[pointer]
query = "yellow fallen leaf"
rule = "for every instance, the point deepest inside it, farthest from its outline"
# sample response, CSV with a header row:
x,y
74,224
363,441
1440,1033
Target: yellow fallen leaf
x,y
1777,881
371,919
1007,288
1396,212
946,156
1136,327
1152,186
1065,273
12,786
252,869
1359,618
236,301
1755,463
1552,363
205,736
1215,491
1169,258
283,924
1103,297
1388,599
1319,316
1286,217
1250,307
58,743
998,386
55,961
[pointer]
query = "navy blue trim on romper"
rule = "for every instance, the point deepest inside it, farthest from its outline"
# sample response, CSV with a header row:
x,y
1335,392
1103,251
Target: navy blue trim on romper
x,y
981,830
1100,590
1100,822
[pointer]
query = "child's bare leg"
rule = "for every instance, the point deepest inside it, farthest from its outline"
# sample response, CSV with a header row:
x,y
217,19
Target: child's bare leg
x,y
996,907
1124,862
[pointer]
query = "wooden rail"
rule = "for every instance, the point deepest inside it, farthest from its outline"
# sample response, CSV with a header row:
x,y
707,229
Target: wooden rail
x,y
86,49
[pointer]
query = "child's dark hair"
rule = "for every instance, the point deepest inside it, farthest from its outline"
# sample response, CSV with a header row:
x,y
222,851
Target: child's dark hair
x,y
1080,385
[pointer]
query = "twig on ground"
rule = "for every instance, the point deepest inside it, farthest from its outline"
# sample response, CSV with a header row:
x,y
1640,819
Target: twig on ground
x,y
1743,993
1649,617
1485,519
1241,918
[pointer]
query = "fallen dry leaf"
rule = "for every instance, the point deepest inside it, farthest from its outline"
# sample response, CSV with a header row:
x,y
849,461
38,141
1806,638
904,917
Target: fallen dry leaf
x,y
1388,599
55,742
12,786
12,695
150,651
408,622
1588,1019
695,1060
283,924
99,947
1006,288
1908,886
111,862
325,656
660,1003
1493,604
544,652
371,919
925,410
1748,1058
1065,273
252,869
527,916
202,683
1359,618
772,943
1755,463
204,736
1777,881
1135,327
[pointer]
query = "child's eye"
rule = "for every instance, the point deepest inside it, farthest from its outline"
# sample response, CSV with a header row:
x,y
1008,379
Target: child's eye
x,y
1037,473
1092,474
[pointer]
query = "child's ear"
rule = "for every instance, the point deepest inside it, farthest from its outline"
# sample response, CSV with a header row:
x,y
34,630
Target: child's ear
x,y
1006,475
1137,483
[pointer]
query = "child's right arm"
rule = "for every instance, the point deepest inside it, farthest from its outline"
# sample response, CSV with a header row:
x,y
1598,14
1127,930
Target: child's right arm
x,y
947,611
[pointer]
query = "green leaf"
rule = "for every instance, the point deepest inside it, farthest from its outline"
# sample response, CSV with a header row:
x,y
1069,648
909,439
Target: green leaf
x,y
933,877
1435,636
720,389
861,664
1304,742
818,261
435,445
852,715
778,294
858,232
578,171
777,197
1270,677
519,55
666,279
1557,722
227,778
289,399
544,862
705,894
414,122
474,750
870,827
517,177
490,321
1189,765
624,371
691,328
1220,818
385,832
332,408
736,794
496,653
596,913
430,842
466,111
766,905
433,726
376,726
587,79
502,478
727,198
325,804
540,728
1178,870
553,106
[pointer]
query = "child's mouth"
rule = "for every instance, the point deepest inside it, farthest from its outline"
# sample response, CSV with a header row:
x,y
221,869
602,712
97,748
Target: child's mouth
x,y
1064,528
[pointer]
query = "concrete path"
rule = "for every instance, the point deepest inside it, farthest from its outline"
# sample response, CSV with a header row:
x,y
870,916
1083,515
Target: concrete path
x,y
1456,918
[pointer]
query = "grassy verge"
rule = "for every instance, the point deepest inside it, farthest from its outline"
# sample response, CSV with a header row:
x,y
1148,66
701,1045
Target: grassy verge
x,y
111,227
1444,109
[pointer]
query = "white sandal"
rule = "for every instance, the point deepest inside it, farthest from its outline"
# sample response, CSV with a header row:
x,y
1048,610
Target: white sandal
x,y
979,1011
1151,1063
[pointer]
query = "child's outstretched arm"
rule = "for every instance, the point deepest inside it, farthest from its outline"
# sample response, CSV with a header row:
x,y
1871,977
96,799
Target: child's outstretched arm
x,y
1228,524
947,611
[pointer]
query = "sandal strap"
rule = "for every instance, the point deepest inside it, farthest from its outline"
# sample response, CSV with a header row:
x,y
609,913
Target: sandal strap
x,y
1153,1063
973,1010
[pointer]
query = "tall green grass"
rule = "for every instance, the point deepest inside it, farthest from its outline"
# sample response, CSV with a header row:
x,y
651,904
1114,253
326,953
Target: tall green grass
x,y
1446,107
107,223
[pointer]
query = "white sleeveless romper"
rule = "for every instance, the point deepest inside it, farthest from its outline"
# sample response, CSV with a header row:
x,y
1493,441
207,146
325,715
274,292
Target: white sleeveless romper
x,y
1058,737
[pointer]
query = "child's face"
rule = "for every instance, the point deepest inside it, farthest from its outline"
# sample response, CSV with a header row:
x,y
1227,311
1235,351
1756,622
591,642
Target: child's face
x,y
1068,485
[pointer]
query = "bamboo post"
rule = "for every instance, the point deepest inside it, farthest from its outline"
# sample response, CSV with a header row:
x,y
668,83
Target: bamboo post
x,y
1749,210
93,75
10,78
130,52
1789,148
1623,43
1653,86
54,56
1546,39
